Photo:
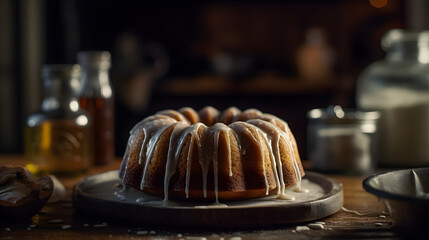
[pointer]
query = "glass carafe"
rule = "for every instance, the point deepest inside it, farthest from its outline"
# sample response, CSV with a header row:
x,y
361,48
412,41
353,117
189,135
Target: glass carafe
x,y
58,138
398,87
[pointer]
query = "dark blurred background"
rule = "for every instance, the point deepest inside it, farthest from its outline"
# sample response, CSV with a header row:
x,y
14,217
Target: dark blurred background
x,y
282,57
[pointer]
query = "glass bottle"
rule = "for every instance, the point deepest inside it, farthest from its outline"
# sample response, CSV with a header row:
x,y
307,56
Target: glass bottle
x,y
96,97
58,138
398,87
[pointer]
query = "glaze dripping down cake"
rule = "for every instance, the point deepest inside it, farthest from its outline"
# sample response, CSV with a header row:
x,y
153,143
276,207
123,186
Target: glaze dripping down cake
x,y
211,155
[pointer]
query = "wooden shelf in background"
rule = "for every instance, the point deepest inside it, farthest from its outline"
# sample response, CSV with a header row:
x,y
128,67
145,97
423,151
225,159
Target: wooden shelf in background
x,y
262,84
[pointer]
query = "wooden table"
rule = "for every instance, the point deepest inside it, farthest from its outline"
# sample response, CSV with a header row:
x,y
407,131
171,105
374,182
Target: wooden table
x,y
60,221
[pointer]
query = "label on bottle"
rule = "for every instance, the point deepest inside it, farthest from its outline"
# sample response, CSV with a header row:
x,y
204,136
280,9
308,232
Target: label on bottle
x,y
58,147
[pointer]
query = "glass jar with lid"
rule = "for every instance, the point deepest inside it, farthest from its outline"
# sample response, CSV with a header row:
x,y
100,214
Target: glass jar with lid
x,y
342,140
398,87
58,138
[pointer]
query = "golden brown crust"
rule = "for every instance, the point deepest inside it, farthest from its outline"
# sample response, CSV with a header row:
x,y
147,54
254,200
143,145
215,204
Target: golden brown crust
x,y
209,115
251,162
190,114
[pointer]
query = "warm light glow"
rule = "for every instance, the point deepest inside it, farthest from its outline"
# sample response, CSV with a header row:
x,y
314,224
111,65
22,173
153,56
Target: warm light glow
x,y
74,105
31,123
316,113
338,112
368,128
82,120
423,56
106,92
378,3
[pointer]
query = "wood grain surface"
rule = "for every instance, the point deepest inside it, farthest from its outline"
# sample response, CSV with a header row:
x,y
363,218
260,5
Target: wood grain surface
x,y
60,220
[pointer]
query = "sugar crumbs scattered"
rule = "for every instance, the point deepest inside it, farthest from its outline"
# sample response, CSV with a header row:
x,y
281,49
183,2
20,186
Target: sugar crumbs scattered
x,y
196,238
142,232
104,224
316,226
58,220
302,228
65,226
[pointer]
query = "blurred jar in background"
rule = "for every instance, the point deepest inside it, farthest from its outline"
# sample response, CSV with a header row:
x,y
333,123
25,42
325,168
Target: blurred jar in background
x,y
342,140
96,97
398,86
58,138
315,58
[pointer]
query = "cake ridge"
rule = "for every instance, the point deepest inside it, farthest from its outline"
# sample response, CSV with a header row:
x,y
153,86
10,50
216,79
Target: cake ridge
x,y
257,141
275,158
173,156
265,130
150,147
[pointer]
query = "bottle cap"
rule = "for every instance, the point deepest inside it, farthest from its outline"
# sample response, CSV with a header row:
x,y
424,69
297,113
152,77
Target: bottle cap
x,y
401,38
97,59
338,115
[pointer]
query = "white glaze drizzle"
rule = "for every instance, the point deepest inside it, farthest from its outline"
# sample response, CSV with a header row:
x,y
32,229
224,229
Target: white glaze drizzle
x,y
171,165
228,142
295,163
143,148
217,129
285,134
124,164
266,129
149,142
257,140
296,168
133,134
176,149
273,133
140,125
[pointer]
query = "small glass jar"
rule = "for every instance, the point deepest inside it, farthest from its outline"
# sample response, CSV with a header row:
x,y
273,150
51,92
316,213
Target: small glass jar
x,y
58,138
96,97
342,140
398,87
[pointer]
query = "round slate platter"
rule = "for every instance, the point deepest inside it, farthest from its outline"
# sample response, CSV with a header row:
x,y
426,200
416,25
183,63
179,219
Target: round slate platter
x,y
101,195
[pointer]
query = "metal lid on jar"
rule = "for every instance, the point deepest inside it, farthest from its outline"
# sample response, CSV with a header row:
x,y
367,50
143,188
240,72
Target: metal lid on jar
x,y
400,38
61,80
97,59
61,71
337,115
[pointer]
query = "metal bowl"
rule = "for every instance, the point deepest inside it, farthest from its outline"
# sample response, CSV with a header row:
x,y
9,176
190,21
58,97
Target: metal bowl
x,y
406,196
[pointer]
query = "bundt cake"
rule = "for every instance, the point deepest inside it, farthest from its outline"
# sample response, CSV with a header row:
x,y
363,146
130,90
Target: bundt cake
x,y
211,155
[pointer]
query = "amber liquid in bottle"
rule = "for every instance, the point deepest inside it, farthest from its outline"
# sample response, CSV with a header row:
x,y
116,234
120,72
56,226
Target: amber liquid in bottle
x,y
59,147
102,113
